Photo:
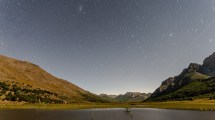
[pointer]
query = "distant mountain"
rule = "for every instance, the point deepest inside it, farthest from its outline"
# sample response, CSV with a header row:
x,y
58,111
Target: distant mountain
x,y
195,82
132,97
110,98
24,81
127,97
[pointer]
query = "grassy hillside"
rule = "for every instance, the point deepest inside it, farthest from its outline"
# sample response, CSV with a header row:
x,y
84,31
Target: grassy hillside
x,y
199,87
12,92
28,78
196,90
196,76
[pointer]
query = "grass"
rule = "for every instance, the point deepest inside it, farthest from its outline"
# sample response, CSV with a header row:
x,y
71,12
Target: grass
x,y
64,106
203,105
196,76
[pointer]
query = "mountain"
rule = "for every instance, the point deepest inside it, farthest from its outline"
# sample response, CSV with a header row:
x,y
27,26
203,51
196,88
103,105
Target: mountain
x,y
208,66
24,81
195,82
132,97
127,97
108,97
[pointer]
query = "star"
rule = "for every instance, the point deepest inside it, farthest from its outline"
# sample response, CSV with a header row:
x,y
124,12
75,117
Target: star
x,y
80,8
145,57
132,35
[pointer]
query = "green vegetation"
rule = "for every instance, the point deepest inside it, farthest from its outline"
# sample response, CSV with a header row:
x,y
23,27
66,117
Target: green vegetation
x,y
184,105
12,92
110,98
93,98
203,105
195,90
196,76
127,97
74,106
34,85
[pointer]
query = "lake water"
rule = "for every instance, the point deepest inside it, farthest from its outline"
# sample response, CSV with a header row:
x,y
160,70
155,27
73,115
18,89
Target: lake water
x,y
107,114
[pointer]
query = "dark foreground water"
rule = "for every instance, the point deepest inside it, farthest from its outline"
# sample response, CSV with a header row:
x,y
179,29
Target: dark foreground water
x,y
107,114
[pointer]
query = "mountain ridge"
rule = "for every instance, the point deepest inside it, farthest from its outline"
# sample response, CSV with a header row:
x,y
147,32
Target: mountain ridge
x,y
194,74
127,97
25,75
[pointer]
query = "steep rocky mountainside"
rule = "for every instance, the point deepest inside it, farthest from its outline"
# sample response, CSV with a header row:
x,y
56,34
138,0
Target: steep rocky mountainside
x,y
209,65
184,86
24,81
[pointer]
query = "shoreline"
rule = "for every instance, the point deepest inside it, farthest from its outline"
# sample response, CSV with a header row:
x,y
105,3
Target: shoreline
x,y
201,105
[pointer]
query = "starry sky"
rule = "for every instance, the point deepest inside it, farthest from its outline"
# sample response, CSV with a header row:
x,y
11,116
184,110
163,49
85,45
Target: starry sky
x,y
109,46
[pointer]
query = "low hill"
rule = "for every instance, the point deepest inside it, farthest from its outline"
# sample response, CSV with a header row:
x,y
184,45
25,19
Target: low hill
x,y
195,82
24,81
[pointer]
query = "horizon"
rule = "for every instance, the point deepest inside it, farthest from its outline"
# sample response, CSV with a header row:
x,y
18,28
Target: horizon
x,y
109,47
104,93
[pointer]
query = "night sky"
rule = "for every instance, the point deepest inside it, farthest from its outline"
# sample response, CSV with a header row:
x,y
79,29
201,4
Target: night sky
x,y
109,46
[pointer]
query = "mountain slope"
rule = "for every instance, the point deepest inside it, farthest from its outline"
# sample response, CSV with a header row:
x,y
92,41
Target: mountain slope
x,y
132,97
196,90
30,80
192,83
127,97
108,97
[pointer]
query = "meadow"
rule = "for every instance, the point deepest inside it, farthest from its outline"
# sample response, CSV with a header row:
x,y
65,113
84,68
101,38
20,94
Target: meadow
x,y
203,105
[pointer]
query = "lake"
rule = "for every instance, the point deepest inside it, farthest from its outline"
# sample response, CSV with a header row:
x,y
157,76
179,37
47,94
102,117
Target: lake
x,y
107,114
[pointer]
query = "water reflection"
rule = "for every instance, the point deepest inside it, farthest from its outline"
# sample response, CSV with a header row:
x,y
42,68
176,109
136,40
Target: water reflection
x,y
107,114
